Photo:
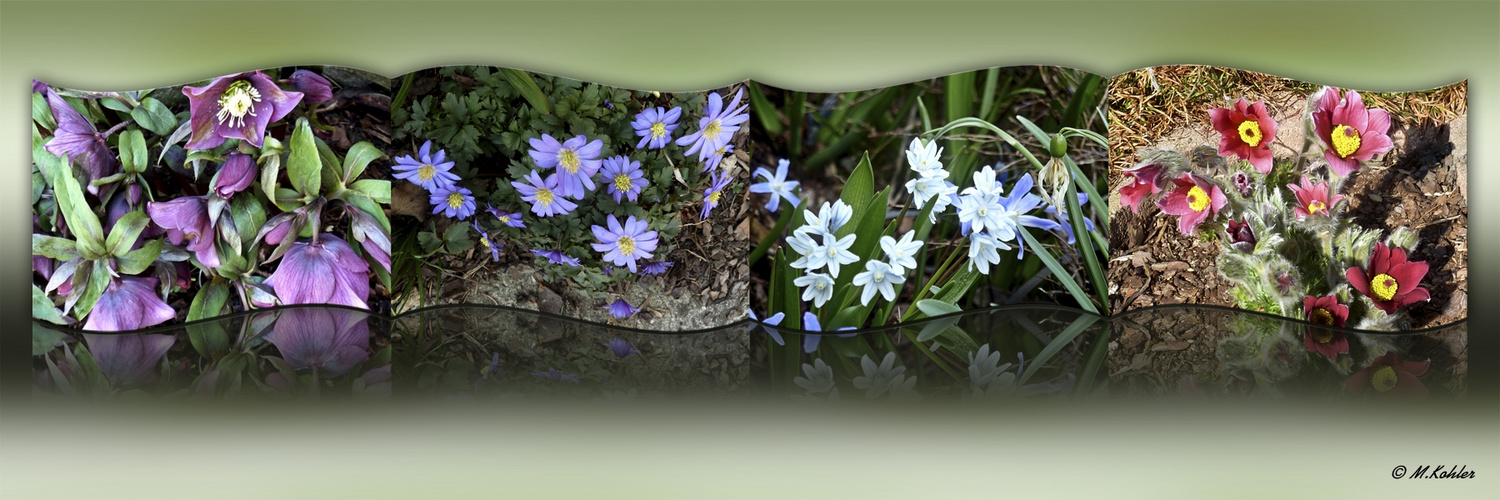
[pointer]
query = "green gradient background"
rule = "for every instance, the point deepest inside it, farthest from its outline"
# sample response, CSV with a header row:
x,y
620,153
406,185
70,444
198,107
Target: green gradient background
x,y
1151,451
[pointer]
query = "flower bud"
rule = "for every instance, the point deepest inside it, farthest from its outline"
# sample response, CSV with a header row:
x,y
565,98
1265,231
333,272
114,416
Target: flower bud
x,y
236,175
1240,236
1242,183
314,88
1059,146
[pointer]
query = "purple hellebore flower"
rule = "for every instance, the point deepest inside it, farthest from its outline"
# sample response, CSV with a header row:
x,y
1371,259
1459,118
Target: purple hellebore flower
x,y
556,375
76,138
621,309
576,161
655,126
128,360
128,303
624,177
623,244
314,88
713,194
329,341
324,270
237,106
427,169
186,219
621,348
506,218
238,172
658,267
546,197
557,257
484,239
38,86
453,202
717,126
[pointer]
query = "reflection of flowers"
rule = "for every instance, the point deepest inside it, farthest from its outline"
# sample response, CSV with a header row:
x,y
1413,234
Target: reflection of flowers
x,y
770,321
1325,311
1390,281
128,360
329,341
1388,374
817,377
621,348
556,375
878,379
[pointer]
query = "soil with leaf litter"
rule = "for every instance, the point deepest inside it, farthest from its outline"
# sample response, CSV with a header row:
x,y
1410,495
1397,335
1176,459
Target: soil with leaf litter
x,y
1421,184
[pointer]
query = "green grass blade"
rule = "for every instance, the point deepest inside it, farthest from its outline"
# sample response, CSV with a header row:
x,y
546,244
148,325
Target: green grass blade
x,y
1058,270
1057,344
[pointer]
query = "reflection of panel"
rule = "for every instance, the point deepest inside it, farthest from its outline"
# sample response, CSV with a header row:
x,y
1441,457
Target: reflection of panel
x,y
488,353
292,352
1206,351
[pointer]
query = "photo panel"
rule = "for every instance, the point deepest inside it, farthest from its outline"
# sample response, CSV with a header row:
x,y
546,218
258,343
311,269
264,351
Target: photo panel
x,y
954,196
1269,235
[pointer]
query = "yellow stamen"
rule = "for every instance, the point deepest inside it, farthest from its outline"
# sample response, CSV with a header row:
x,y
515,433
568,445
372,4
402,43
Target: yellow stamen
x,y
1345,140
236,102
505,219
544,196
1321,316
1384,286
658,130
455,200
484,241
1384,379
1197,199
622,183
426,172
627,245
714,197
1250,132
568,159
711,130
1315,206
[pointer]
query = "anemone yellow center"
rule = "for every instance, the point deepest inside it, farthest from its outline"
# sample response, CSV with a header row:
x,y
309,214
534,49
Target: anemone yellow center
x,y
1250,132
484,240
569,160
1321,316
1383,286
1197,199
426,172
714,197
711,130
504,219
455,200
622,183
1345,140
1384,379
544,196
658,130
236,102
626,244
1315,206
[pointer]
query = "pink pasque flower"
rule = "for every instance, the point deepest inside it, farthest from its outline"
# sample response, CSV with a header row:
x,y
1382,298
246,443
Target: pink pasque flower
x,y
1328,311
1313,199
1246,131
1390,281
1143,183
1195,200
1349,132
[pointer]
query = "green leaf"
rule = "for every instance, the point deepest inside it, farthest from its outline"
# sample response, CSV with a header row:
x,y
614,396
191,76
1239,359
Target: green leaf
x,y
378,190
270,169
456,238
303,165
41,113
136,261
369,207
98,280
770,120
126,231
133,153
209,302
860,187
249,216
1059,271
332,173
43,309
152,115
44,340
524,84
771,237
357,158
79,216
52,247
934,307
